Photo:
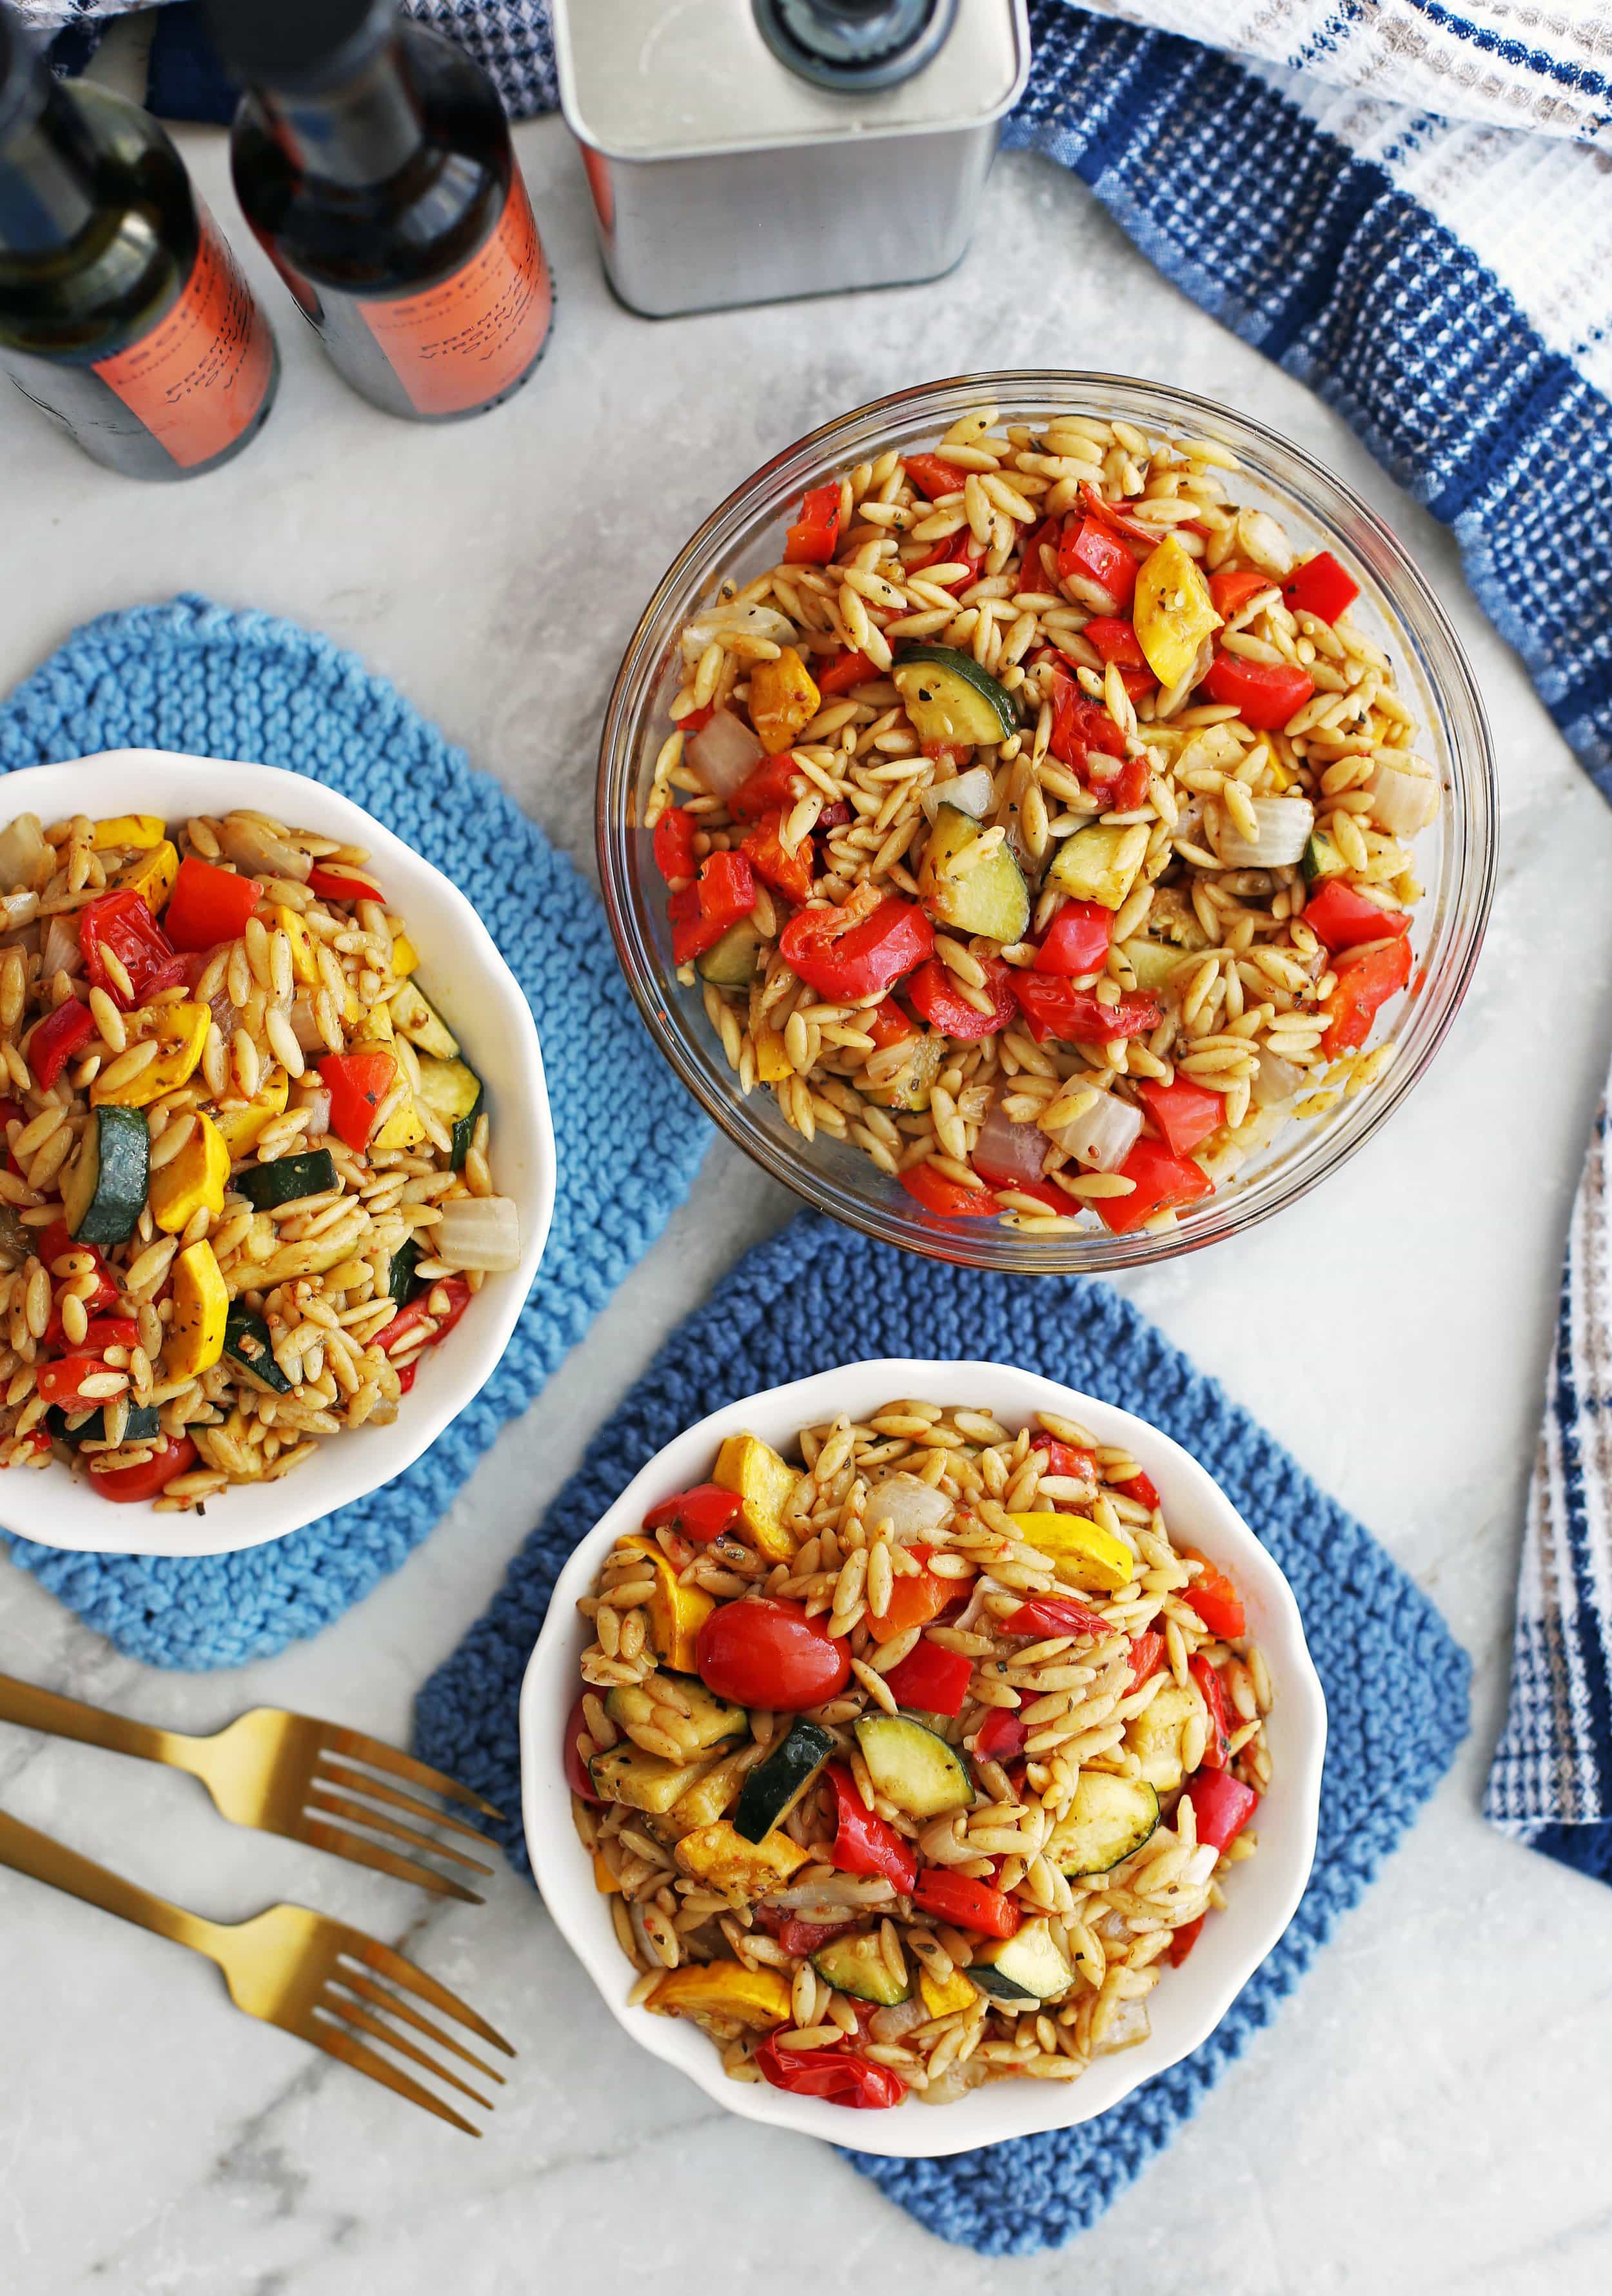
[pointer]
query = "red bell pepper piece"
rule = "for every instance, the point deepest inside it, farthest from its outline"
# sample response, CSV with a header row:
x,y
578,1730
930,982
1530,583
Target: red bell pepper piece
x,y
1115,516
934,1680
1045,1615
1365,983
915,1599
723,892
812,539
1162,1181
1265,694
54,1242
797,1937
948,1198
1147,1657
1039,573
209,905
700,1514
1055,1007
331,885
963,1903
1141,1487
358,1083
173,1456
1080,724
1076,942
866,945
936,998
1184,1940
1090,548
1118,642
776,782
1214,1698
1066,1460
111,1332
1185,1114
1045,1192
409,1318
59,1382
1229,592
577,1775
674,836
768,854
864,1843
952,550
838,2075
697,720
122,922
1320,586
1341,918
933,477
1002,1735
56,1038
888,1025
1221,1804
845,671
1216,1599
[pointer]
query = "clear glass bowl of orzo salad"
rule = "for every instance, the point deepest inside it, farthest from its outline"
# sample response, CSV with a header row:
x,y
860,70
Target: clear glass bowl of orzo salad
x,y
1047,819
248,1176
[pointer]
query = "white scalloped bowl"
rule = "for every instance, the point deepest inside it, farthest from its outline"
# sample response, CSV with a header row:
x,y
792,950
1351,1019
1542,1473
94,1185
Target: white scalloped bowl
x,y
481,1001
1188,2003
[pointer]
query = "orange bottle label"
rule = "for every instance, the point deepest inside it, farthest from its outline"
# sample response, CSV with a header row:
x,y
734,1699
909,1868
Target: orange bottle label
x,y
198,378
470,337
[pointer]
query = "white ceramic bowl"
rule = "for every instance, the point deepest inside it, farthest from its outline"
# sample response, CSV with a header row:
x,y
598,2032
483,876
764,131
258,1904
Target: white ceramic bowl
x,y
482,1002
1188,2003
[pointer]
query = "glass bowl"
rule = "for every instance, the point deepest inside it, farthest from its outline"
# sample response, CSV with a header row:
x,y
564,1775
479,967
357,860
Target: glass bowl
x,y
1455,856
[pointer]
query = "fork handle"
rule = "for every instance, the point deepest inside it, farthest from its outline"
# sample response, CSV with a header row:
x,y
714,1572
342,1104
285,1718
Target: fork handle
x,y
33,1709
43,1859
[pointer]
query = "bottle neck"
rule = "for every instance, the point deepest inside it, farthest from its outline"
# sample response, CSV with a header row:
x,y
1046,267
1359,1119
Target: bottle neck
x,y
48,176
362,131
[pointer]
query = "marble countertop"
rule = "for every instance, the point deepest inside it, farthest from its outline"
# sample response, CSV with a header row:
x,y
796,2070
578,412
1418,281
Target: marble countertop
x,y
1432,2109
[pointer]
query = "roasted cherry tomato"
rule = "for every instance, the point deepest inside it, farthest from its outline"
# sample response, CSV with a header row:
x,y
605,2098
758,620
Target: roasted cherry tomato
x,y
577,1776
770,1655
126,1484
836,2075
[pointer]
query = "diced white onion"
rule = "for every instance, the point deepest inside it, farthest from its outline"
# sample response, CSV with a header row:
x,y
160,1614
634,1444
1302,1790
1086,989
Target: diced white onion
x,y
304,1026
1127,2028
1404,798
1102,1135
1277,1082
756,621
971,792
318,1104
955,2081
1006,1152
20,846
478,1232
723,752
906,1507
259,852
63,952
828,1899
1285,823
890,2024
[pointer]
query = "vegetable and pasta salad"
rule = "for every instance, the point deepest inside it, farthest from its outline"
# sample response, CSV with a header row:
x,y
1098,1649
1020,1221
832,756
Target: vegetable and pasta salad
x,y
1041,824
247,1180
913,1765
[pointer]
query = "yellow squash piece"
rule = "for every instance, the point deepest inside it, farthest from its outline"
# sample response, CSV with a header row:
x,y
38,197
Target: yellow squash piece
x,y
403,1128
945,2000
603,1880
371,1024
181,1031
758,1999
195,1337
303,963
743,1871
151,874
675,1613
773,1064
241,1123
782,698
143,829
765,1484
404,957
709,1796
191,1181
1104,1563
1173,612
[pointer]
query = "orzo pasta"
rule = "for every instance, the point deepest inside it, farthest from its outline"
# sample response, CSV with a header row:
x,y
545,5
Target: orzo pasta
x,y
915,1764
247,1180
1042,824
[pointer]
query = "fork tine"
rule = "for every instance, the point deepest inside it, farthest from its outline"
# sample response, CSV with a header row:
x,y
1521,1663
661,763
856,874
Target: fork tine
x,y
355,2013
337,2042
344,1844
381,1757
354,1782
358,1813
376,1956
395,2006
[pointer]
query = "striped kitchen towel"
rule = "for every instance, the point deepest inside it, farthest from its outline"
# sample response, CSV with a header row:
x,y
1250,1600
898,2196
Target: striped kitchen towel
x,y
1551,1782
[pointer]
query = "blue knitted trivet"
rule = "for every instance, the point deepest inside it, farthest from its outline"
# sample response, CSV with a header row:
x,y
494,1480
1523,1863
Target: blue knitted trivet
x,y
191,677
1396,1682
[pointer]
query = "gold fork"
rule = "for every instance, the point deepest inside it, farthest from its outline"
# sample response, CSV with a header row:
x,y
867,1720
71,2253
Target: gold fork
x,y
283,1774
302,1971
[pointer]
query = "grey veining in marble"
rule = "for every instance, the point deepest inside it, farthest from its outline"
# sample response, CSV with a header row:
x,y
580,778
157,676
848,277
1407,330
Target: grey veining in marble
x,y
1432,2112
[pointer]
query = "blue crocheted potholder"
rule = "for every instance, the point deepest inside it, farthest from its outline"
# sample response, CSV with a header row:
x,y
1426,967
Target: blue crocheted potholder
x,y
192,676
1395,1681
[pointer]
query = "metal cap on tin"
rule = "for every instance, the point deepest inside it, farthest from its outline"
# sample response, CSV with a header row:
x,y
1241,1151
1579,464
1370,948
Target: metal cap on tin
x,y
298,47
853,45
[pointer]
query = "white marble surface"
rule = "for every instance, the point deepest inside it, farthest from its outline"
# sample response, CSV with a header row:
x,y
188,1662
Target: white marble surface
x,y
1432,2111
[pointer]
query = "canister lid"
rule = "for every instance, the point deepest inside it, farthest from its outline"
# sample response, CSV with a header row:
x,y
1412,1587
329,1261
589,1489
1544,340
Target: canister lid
x,y
855,44
660,79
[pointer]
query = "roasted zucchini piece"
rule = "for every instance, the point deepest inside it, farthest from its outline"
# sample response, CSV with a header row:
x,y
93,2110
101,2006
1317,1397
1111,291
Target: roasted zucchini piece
x,y
913,1767
991,896
774,1786
855,1965
1109,1820
103,1189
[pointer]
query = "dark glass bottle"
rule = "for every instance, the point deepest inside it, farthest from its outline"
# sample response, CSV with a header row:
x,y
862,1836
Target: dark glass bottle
x,y
373,160
123,314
